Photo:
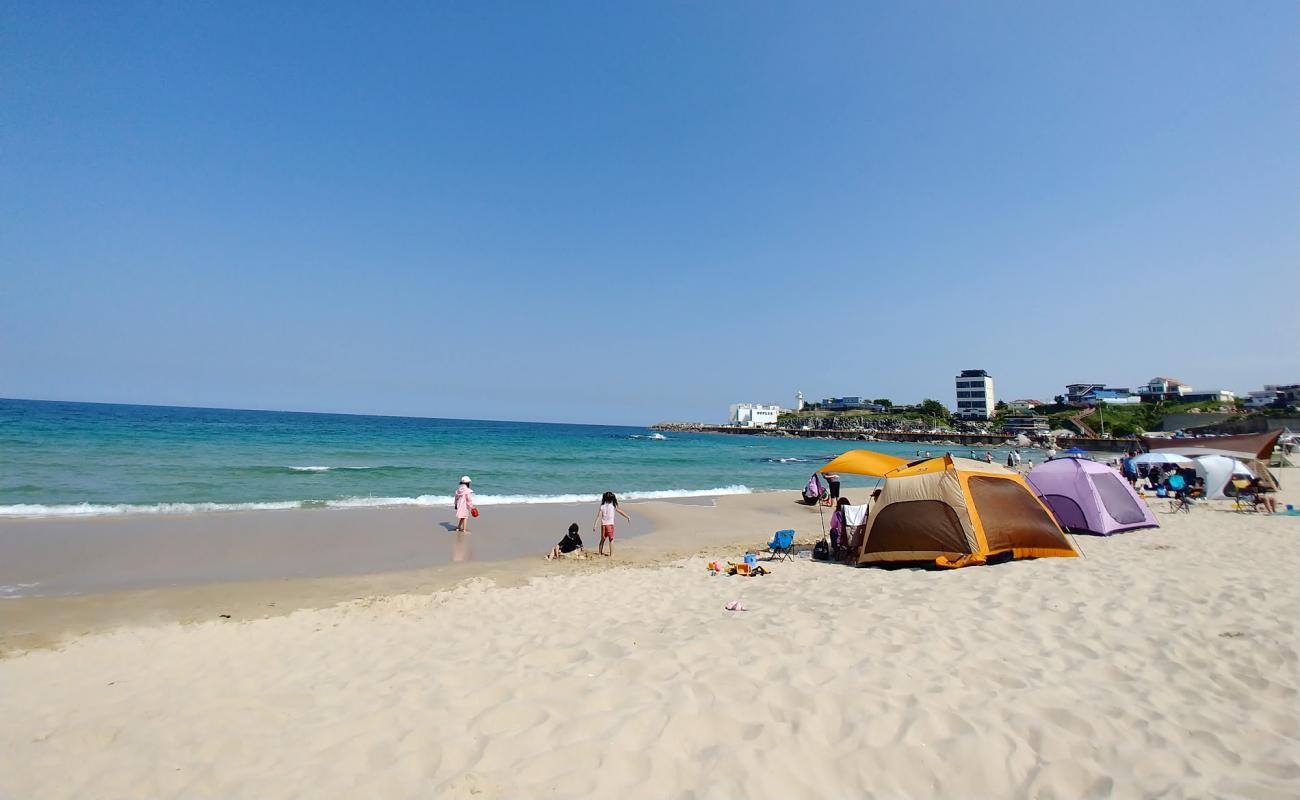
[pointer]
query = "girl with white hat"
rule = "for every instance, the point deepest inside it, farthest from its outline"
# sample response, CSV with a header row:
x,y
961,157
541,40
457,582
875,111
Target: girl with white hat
x,y
464,504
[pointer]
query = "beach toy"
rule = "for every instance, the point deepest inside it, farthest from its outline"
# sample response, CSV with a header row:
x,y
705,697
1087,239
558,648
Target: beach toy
x,y
751,560
473,512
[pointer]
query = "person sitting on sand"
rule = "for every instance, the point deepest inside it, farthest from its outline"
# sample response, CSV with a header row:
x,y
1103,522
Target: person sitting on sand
x,y
605,519
813,491
571,542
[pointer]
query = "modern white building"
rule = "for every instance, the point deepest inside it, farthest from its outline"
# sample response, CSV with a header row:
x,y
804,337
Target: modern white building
x,y
1261,398
974,395
753,415
1273,395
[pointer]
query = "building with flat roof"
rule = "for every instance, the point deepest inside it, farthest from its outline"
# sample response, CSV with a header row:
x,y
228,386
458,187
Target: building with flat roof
x,y
1274,395
1023,406
974,395
848,404
1028,424
1090,394
1209,396
754,415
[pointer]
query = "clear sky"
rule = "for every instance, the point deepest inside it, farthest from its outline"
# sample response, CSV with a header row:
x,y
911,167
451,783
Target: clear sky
x,y
617,212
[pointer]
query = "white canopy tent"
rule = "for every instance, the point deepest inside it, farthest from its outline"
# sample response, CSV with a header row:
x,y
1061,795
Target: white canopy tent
x,y
1217,472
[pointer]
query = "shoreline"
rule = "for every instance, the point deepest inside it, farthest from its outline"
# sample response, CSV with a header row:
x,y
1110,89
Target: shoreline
x,y
426,503
407,553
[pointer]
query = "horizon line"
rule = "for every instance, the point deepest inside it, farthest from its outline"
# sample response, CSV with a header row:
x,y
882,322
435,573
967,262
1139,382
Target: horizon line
x,y
299,411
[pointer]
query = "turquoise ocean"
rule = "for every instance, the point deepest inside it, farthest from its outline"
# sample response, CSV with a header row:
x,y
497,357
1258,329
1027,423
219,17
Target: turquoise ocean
x,y
84,459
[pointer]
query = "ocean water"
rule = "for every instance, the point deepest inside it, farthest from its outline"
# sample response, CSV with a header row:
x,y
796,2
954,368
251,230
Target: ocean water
x,y
80,459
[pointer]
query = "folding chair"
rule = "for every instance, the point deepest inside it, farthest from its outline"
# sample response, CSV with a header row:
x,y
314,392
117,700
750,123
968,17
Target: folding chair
x,y
1244,501
781,545
1178,499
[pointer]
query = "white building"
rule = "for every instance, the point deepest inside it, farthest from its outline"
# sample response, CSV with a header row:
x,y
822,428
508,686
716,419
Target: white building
x,y
753,415
1262,398
974,395
1282,394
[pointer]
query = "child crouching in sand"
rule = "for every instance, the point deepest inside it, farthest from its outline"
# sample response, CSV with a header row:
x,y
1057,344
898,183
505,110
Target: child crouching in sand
x,y
571,542
605,519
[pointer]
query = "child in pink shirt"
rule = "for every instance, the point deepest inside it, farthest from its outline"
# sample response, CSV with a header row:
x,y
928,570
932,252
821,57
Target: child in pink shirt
x,y
605,519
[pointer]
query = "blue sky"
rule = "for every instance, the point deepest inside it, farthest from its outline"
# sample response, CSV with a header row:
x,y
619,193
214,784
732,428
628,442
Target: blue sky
x,y
596,212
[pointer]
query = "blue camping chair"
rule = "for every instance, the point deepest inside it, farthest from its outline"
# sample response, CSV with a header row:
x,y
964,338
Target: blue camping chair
x,y
1178,494
781,545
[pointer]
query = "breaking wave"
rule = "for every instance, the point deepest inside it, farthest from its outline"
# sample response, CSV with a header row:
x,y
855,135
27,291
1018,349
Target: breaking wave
x,y
313,469
104,509
118,509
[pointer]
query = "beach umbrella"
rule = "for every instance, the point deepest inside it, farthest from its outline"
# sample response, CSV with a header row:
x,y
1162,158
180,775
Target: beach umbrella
x,y
1162,458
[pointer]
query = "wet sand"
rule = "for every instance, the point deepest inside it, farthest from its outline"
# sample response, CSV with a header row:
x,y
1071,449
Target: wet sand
x,y
104,554
97,574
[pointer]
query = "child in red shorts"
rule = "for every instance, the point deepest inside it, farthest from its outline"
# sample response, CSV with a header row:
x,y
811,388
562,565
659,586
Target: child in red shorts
x,y
605,519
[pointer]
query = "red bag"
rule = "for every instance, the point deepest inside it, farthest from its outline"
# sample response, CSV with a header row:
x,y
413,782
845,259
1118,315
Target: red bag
x,y
473,512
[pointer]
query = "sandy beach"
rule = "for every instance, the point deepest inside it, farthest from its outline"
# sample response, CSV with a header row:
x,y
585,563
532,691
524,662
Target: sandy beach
x,y
1162,664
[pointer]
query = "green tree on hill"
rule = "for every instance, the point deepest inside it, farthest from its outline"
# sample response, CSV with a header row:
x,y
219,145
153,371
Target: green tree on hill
x,y
933,408
884,401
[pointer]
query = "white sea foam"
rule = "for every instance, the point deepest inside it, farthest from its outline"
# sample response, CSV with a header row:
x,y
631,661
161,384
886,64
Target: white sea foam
x,y
12,591
311,469
435,500
529,499
101,509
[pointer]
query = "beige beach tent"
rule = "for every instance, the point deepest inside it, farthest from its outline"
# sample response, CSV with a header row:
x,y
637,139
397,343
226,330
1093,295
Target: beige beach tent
x,y
953,511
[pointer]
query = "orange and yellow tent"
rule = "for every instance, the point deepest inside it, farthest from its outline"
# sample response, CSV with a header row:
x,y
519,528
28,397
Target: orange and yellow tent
x,y
953,511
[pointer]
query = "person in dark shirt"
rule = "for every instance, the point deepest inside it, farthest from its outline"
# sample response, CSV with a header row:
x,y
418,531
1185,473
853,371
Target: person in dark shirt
x,y
834,481
571,542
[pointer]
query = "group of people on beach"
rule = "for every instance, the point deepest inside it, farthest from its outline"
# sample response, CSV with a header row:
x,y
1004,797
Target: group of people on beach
x,y
1172,480
606,514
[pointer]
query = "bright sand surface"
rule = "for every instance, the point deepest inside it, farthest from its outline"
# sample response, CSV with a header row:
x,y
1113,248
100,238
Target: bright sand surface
x,y
1163,664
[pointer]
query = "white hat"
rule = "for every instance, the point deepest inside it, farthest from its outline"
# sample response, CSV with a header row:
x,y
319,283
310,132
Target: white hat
x,y
464,479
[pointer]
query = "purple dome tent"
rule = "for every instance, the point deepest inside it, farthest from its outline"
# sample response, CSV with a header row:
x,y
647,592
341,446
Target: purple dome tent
x,y
1089,497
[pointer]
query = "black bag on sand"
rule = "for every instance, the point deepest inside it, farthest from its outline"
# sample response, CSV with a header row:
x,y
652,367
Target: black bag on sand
x,y
822,551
